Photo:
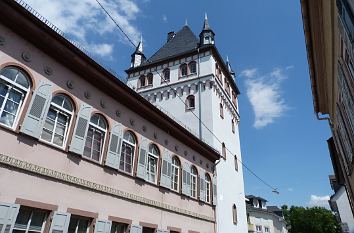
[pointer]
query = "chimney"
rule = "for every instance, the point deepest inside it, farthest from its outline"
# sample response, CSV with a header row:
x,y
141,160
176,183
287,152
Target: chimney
x,y
170,35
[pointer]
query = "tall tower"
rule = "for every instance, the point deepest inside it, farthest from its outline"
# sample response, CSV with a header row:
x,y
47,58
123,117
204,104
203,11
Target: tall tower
x,y
188,79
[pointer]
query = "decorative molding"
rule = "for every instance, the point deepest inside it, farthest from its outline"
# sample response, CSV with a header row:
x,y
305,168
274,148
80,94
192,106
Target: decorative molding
x,y
70,84
26,56
63,177
87,95
49,71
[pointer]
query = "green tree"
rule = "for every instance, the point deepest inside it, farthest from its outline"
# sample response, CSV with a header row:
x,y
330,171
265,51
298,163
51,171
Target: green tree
x,y
310,220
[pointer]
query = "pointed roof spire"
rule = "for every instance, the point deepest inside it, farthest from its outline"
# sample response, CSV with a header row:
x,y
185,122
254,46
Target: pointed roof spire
x,y
186,23
139,48
206,23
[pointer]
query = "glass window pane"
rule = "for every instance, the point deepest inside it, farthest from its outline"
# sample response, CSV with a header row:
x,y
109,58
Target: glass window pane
x,y
3,89
72,225
62,119
94,119
59,99
38,218
9,73
23,218
15,96
49,124
60,129
83,224
7,119
46,135
22,80
67,105
58,140
11,107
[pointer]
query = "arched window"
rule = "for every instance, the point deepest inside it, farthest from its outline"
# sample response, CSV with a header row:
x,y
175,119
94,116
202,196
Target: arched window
x,y
183,70
194,176
149,79
128,152
192,67
190,102
166,75
175,174
221,110
233,125
236,163
14,86
58,120
142,81
207,188
95,137
223,150
151,166
234,214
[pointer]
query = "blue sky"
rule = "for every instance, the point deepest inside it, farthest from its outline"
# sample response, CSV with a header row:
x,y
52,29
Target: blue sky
x,y
281,139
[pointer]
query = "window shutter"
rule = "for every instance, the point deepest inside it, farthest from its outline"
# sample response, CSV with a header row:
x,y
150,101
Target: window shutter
x,y
165,180
102,226
33,123
143,150
115,145
60,222
186,179
136,229
8,215
214,191
83,118
202,186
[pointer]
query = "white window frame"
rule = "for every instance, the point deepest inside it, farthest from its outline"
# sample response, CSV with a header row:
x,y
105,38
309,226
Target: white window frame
x,y
155,157
13,85
207,188
123,156
194,182
30,220
173,175
103,131
59,109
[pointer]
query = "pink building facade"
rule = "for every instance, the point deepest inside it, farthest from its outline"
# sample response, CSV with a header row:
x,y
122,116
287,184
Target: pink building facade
x,y
81,152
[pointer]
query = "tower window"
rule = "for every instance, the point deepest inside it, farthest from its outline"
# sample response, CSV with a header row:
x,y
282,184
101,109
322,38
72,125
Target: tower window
x,y
166,75
234,214
142,82
236,162
190,102
223,150
183,70
221,111
149,79
192,67
233,126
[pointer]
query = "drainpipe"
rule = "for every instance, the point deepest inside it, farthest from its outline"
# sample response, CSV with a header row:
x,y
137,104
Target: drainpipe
x,y
199,98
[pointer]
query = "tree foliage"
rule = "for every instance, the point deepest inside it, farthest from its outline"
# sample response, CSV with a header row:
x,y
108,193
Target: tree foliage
x,y
310,220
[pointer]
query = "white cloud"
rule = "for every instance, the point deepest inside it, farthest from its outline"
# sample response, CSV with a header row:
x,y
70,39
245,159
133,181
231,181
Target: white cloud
x,y
265,95
84,18
164,18
321,201
290,189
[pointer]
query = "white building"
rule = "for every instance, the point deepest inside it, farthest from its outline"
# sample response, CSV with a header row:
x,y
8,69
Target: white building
x,y
339,204
262,218
188,79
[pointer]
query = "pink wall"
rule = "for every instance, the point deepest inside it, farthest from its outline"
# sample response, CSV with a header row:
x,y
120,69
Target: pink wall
x,y
21,185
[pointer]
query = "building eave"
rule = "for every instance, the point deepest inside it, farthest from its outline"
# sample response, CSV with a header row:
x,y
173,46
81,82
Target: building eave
x,y
32,29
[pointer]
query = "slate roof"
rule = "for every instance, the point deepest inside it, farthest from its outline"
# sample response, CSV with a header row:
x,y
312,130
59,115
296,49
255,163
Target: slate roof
x,y
182,42
254,197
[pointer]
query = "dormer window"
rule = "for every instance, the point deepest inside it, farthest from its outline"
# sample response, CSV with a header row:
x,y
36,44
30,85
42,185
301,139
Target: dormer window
x,y
166,75
149,79
192,67
142,82
183,70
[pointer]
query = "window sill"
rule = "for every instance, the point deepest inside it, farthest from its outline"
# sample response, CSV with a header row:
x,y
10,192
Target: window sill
x,y
92,160
52,144
145,87
190,108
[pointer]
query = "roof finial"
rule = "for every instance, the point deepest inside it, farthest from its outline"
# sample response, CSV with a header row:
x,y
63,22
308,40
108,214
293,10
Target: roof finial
x,y
206,23
139,48
227,58
205,16
186,23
